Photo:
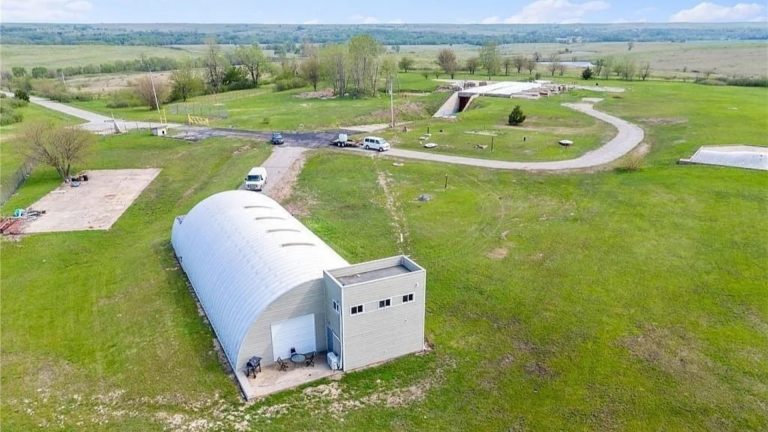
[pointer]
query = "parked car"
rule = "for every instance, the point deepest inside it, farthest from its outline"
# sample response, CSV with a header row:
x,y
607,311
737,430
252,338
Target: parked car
x,y
375,143
256,179
277,138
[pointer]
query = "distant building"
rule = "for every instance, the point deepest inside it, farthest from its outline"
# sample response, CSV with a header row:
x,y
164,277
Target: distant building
x,y
269,286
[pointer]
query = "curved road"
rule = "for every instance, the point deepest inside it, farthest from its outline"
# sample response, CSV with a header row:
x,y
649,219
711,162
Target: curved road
x,y
628,137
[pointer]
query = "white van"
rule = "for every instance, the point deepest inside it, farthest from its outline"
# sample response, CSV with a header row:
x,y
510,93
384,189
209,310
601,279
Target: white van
x,y
375,143
256,179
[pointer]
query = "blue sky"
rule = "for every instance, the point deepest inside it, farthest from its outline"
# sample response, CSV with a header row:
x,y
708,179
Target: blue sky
x,y
390,11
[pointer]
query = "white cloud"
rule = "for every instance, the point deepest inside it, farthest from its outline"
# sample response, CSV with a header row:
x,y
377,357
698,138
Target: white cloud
x,y
491,20
362,19
551,11
312,21
713,12
44,10
396,21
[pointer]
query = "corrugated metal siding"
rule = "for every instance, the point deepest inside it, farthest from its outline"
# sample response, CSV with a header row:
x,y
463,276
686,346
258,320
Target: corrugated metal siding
x,y
241,251
382,334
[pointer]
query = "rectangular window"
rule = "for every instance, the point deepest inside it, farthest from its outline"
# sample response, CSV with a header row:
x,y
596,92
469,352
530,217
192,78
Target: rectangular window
x,y
385,303
357,309
408,298
336,306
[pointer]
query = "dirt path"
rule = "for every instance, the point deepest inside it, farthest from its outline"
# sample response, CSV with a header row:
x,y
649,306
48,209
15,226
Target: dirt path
x,y
283,168
396,213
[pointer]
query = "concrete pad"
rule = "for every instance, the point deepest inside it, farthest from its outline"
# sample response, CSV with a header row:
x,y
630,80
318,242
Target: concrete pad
x,y
95,205
736,156
271,380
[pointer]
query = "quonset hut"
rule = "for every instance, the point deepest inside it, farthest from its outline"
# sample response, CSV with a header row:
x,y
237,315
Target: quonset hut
x,y
269,285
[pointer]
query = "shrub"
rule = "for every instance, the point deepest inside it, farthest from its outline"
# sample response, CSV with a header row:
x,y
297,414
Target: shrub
x,y
8,115
21,94
289,83
631,163
586,74
516,117
125,98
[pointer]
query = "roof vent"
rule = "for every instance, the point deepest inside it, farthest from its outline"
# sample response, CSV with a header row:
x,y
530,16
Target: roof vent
x,y
274,230
297,244
268,217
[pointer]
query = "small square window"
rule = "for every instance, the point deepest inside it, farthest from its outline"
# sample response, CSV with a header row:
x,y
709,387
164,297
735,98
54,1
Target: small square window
x,y
408,298
357,309
385,303
336,306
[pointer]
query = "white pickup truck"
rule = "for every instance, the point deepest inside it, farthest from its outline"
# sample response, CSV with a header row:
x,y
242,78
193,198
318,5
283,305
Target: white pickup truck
x,y
256,179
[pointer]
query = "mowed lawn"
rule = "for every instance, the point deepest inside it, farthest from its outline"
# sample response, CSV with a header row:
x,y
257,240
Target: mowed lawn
x,y
547,122
602,301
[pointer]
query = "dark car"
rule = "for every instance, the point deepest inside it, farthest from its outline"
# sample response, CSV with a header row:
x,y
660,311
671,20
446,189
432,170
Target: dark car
x,y
277,138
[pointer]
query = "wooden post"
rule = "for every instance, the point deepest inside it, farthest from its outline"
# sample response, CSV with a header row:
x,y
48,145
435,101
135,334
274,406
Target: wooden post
x,y
491,142
446,181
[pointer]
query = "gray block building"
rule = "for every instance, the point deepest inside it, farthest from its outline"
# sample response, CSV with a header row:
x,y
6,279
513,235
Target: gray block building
x,y
269,286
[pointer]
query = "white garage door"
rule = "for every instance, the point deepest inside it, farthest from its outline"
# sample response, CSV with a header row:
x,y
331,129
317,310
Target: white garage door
x,y
296,333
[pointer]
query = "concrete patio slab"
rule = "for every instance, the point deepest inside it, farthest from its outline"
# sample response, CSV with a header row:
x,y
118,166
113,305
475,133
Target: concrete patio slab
x,y
95,205
271,380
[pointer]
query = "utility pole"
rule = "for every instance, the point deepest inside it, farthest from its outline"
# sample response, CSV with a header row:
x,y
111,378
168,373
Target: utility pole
x,y
391,102
154,92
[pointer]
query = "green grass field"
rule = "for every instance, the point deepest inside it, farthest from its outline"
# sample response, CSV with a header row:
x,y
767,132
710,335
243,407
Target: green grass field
x,y
265,109
59,56
547,122
603,301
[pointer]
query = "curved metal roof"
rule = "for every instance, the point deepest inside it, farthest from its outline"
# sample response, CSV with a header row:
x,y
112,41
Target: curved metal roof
x,y
241,251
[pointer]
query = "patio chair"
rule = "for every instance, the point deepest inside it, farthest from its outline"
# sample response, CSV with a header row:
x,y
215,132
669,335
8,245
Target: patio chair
x,y
309,359
282,365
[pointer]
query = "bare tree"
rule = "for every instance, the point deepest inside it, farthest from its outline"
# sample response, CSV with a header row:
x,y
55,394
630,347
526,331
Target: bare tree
x,y
58,147
553,64
561,68
446,59
599,63
310,70
472,64
150,90
489,57
645,70
253,60
519,62
630,45
607,67
215,65
530,65
507,63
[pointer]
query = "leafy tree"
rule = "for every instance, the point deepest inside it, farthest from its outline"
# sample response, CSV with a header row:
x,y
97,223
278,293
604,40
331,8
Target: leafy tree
x,y
446,59
490,59
426,73
607,66
21,94
234,77
253,60
310,70
364,52
185,83
39,72
586,74
19,72
59,147
599,63
406,63
333,61
215,65
472,64
516,117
